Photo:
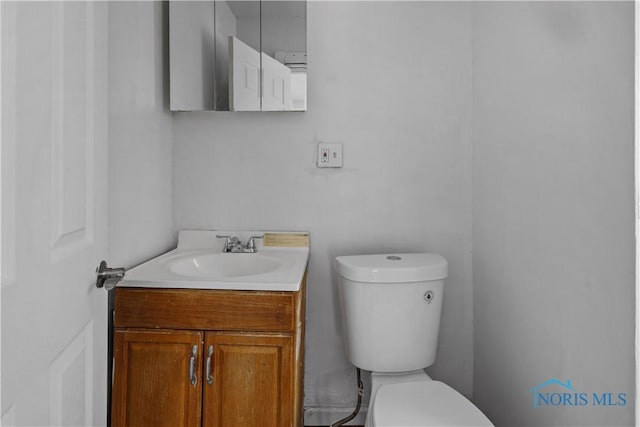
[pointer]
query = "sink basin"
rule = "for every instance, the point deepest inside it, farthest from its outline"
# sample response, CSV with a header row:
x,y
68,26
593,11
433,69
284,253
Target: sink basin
x,y
224,265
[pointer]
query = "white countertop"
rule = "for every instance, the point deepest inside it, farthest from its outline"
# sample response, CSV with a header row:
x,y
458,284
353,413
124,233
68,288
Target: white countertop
x,y
161,272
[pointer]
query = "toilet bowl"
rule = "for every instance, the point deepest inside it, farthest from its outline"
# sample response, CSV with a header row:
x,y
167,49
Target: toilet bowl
x,y
391,306
423,403
414,399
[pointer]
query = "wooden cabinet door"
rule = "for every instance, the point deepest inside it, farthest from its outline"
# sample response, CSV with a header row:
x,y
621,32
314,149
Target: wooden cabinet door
x,y
251,381
153,385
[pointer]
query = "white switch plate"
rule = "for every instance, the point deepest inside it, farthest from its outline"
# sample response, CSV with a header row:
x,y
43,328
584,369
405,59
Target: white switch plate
x,y
329,155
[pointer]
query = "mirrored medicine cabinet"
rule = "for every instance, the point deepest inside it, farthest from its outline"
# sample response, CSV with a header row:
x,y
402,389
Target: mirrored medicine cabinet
x,y
238,55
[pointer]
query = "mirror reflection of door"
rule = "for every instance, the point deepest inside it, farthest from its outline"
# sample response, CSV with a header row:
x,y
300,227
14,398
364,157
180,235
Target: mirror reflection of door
x,y
277,31
276,85
237,33
244,76
284,43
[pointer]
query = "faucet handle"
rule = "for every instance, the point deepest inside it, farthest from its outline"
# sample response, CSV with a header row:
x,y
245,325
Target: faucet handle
x,y
251,243
227,242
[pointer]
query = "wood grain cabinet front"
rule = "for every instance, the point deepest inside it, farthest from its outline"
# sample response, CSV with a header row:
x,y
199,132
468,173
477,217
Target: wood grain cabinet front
x,y
249,382
174,370
153,382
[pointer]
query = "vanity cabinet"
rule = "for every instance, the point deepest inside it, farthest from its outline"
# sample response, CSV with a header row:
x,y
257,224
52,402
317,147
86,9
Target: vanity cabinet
x,y
211,358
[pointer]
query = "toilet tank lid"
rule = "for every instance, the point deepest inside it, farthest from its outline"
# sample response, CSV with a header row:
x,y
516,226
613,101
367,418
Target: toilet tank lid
x,y
424,403
392,268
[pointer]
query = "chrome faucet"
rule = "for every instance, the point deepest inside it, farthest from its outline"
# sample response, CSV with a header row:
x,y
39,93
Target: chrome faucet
x,y
233,245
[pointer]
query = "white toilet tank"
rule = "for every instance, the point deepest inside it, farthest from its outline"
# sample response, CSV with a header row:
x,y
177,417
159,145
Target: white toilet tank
x,y
391,306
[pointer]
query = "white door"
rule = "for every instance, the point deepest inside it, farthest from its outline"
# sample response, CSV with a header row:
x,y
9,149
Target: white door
x,y
54,224
276,85
244,76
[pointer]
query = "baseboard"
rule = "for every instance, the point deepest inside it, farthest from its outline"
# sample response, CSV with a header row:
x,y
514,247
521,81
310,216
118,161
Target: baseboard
x,y
325,416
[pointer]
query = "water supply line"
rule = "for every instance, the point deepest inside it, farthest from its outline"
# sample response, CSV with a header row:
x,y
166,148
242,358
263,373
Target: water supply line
x,y
345,420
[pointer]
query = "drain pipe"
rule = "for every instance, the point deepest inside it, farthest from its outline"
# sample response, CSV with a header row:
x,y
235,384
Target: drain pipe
x,y
355,411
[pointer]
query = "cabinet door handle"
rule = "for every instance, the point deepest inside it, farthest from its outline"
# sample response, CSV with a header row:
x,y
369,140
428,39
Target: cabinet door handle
x,y
208,367
192,365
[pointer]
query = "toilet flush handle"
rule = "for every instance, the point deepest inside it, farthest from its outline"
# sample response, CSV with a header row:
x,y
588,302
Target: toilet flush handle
x,y
428,296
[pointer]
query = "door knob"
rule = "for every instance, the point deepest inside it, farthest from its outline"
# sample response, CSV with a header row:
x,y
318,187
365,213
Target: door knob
x,y
108,277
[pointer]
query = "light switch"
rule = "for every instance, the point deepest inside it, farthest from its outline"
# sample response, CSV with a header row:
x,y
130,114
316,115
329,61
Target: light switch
x,y
329,155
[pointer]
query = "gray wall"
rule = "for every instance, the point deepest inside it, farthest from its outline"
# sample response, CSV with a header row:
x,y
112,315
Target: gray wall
x,y
553,226
392,82
140,183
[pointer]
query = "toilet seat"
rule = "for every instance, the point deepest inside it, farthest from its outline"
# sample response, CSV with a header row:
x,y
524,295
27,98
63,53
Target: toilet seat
x,y
424,403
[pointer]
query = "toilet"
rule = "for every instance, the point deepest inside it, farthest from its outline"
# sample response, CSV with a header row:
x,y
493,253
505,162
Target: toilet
x,y
391,306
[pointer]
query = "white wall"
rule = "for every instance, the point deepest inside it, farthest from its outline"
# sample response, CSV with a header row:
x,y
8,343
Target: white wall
x,y
553,226
392,82
140,166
